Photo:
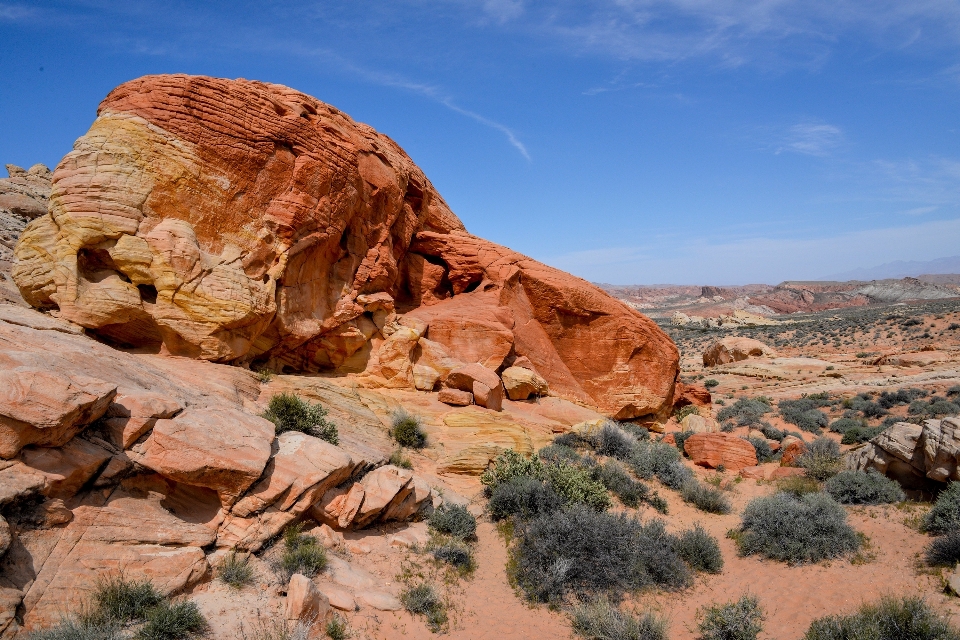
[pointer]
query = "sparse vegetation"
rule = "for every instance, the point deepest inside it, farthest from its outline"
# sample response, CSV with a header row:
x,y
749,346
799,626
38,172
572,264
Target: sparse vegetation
x,y
454,520
822,458
795,529
398,459
456,554
235,570
858,487
762,449
407,429
700,550
173,621
907,618
337,628
687,410
805,412
301,554
710,383
291,413
944,551
705,497
739,620
601,620
522,496
423,600
746,411
945,514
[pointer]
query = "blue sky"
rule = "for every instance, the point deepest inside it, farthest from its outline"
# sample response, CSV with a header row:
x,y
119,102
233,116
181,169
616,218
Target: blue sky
x,y
626,141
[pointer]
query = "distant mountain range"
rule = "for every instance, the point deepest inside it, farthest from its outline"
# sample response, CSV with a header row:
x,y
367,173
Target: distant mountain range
x,y
899,269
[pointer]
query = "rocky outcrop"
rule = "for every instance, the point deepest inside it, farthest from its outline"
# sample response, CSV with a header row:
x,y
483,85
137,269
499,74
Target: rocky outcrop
x,y
713,450
735,349
918,457
920,359
521,383
240,221
23,197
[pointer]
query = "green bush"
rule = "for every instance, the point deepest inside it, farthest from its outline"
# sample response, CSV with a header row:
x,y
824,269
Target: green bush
x,y
740,620
822,458
842,425
762,449
291,413
337,628
638,432
301,554
510,464
908,618
615,478
858,487
705,497
710,383
555,453
407,429
585,552
945,514
681,439
84,629
651,458
524,497
687,410
176,621
856,435
456,554
235,570
601,620
454,520
796,529
116,599
745,411
423,600
613,441
944,551
577,486
676,475
699,549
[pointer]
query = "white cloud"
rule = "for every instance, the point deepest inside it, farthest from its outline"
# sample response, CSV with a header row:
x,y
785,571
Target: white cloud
x,y
15,13
813,139
706,260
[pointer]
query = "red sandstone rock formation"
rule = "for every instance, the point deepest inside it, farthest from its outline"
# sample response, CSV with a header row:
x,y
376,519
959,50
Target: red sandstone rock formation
x,y
714,449
240,221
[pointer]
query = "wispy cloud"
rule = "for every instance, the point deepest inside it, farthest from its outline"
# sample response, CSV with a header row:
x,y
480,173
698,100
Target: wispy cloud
x,y
811,138
15,12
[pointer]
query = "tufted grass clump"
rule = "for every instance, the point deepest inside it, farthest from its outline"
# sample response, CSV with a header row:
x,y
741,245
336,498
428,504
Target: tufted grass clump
x,y
455,554
944,551
907,618
407,429
173,621
235,570
822,459
301,554
454,520
700,550
83,629
739,620
796,529
424,600
945,514
337,628
705,497
398,459
289,412
116,599
858,487
602,620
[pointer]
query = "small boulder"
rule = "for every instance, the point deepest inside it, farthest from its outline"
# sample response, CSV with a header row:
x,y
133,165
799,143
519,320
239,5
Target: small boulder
x,y
734,349
383,488
339,598
380,600
67,468
425,378
488,397
792,448
712,450
134,412
455,397
5,536
304,600
464,377
522,383
699,424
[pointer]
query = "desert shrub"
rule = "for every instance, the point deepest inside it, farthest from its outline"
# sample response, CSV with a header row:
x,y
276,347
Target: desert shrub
x,y
650,458
796,529
614,442
687,410
173,621
862,434
577,486
558,452
601,620
934,408
571,440
710,383
890,399
291,413
873,410
510,464
423,600
699,549
523,496
615,478
945,514
858,487
301,554
235,570
771,432
116,599
944,551
762,448
397,459
908,618
745,411
705,497
454,520
85,629
337,628
822,458
676,475
638,432
587,552
681,439
842,425
455,554
740,620
407,429
805,413
955,389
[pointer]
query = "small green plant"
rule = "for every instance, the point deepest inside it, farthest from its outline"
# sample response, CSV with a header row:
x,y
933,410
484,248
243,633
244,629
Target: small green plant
x,y
890,619
798,485
235,570
740,620
83,629
454,520
265,375
510,464
301,554
397,459
688,410
602,620
710,383
291,413
407,429
681,439
423,600
945,514
705,497
577,486
456,554
116,599
700,550
822,458
944,551
337,628
173,621
858,487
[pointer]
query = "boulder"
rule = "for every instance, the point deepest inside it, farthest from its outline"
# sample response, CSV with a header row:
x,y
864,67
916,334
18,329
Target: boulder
x,y
383,489
304,601
474,437
482,382
254,531
10,599
351,576
339,598
792,448
918,457
231,219
380,600
425,378
338,507
5,536
488,397
734,349
712,450
134,412
18,481
687,394
940,442
47,408
699,424
67,468
522,383
455,397
225,450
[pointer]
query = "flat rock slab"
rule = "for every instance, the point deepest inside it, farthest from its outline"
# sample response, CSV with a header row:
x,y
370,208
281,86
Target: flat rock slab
x,y
339,598
347,575
379,600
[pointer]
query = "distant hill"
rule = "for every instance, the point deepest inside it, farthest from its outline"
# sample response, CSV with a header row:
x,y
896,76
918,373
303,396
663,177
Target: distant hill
x,y
900,269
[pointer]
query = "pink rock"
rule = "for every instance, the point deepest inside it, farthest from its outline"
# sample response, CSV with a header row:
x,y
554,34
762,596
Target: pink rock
x,y
792,448
134,412
383,488
68,468
464,377
455,397
304,600
491,398
714,449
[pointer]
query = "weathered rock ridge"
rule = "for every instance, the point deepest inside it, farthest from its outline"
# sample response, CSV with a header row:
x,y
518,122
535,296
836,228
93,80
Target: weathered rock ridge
x,y
245,222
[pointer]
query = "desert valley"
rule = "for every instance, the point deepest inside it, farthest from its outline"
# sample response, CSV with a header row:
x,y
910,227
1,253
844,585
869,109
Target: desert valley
x,y
258,381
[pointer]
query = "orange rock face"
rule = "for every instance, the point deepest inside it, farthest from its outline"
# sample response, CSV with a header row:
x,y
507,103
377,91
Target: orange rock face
x,y
714,449
240,221
735,349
